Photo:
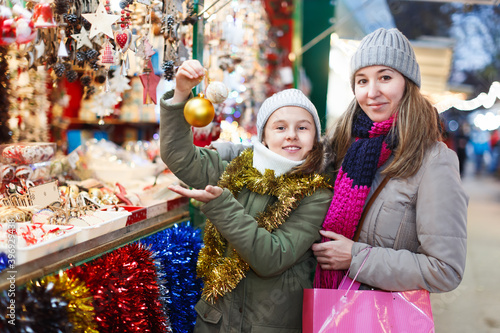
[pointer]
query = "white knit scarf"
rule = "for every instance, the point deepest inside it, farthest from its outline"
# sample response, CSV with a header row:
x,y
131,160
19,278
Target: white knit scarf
x,y
263,159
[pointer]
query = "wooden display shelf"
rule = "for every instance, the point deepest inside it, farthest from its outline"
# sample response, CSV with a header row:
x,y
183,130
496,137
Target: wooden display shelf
x,y
93,248
111,121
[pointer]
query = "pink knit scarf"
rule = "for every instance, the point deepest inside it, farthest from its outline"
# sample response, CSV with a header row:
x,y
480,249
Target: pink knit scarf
x,y
368,152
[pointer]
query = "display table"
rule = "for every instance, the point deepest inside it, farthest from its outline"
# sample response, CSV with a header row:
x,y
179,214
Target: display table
x,y
93,248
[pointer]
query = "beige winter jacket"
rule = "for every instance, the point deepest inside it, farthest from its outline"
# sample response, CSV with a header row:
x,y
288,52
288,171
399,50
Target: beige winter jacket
x,y
417,228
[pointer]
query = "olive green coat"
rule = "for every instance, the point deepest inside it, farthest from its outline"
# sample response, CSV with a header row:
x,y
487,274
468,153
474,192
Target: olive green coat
x,y
269,298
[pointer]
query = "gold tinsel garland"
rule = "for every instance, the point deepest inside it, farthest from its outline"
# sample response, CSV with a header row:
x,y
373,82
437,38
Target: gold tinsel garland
x,y
80,300
222,272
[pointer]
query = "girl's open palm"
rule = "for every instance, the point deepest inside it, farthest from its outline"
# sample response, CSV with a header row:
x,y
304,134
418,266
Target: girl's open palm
x,y
209,193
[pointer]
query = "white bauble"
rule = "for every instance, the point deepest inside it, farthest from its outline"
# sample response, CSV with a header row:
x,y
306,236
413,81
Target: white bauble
x,y
217,92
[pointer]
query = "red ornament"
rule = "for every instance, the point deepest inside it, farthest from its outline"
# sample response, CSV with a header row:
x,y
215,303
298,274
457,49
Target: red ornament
x,y
150,82
43,16
123,39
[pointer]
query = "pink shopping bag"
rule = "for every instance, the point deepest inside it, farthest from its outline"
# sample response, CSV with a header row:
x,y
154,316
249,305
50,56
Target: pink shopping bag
x,y
364,311
349,310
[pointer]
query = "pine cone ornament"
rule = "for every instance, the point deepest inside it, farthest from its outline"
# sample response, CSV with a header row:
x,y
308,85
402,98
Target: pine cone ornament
x,y
94,65
86,24
86,80
92,54
71,76
90,92
100,79
67,66
168,69
170,22
123,4
59,69
61,7
72,19
81,56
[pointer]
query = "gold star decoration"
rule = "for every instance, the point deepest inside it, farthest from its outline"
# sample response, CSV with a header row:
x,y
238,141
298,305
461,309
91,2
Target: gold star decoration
x,y
101,21
82,39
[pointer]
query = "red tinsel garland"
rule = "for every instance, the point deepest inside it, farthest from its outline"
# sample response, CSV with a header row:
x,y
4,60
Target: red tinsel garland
x,y
126,294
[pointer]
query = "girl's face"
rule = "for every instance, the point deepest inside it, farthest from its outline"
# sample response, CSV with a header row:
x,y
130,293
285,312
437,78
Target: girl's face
x,y
378,90
290,132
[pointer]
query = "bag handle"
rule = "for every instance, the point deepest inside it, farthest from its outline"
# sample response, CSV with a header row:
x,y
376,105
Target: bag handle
x,y
359,270
368,206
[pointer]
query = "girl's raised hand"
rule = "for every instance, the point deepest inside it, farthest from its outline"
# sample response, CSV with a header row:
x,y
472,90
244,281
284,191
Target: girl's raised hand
x,y
209,193
188,76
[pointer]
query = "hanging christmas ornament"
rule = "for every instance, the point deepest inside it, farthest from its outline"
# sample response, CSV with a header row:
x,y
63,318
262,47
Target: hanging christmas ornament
x,y
123,38
199,111
125,17
168,70
106,55
125,66
82,39
43,16
25,30
101,21
150,81
39,49
217,92
133,43
62,52
145,49
107,59
7,27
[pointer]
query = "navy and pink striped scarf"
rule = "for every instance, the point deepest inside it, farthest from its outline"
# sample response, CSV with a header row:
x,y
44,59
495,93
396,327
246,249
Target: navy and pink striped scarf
x,y
369,151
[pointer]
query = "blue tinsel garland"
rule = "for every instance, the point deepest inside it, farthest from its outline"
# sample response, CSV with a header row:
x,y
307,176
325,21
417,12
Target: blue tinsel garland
x,y
4,260
176,249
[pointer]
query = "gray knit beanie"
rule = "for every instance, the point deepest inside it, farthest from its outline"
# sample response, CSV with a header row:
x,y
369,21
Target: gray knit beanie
x,y
386,48
288,97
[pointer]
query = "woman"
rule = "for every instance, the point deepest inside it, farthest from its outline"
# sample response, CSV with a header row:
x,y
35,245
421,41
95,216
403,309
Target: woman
x,y
416,226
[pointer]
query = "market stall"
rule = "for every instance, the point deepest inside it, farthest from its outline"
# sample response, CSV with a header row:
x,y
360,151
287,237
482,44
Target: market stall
x,y
88,227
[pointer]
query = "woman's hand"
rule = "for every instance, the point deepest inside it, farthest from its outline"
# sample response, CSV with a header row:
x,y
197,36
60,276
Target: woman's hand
x,y
335,254
209,193
188,76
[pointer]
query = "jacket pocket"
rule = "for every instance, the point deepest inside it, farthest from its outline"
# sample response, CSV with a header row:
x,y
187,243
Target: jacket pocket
x,y
207,312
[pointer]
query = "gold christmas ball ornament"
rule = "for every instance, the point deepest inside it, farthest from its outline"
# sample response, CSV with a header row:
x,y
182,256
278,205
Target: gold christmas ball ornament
x,y
199,111
217,92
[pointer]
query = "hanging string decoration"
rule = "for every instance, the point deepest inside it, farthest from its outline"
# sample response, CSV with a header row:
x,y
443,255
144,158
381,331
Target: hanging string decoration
x,y
168,70
37,309
126,294
5,133
177,250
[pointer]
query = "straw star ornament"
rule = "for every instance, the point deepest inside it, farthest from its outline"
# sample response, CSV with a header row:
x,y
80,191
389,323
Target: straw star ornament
x,y
101,22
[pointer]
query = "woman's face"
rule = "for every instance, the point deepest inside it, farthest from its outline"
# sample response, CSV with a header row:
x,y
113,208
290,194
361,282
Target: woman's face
x,y
378,90
290,132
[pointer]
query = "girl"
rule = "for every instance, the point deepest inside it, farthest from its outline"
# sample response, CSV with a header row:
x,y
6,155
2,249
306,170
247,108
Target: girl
x,y
263,216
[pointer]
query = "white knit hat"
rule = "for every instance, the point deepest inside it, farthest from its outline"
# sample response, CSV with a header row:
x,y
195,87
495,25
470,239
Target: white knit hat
x,y
386,48
288,97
